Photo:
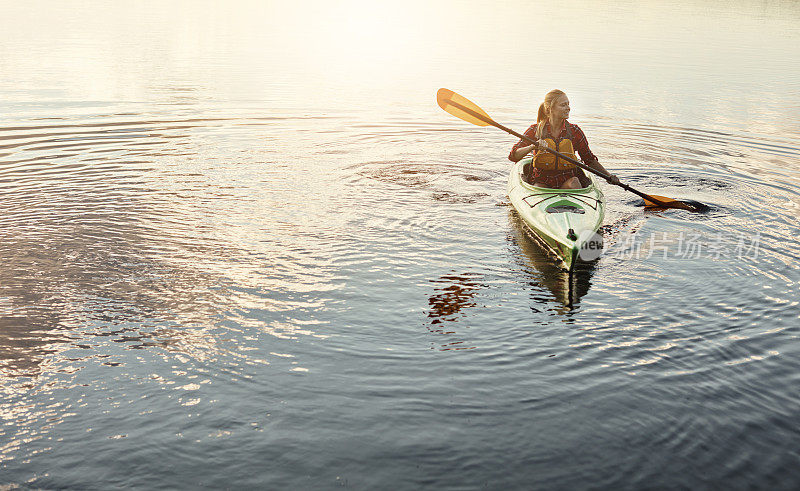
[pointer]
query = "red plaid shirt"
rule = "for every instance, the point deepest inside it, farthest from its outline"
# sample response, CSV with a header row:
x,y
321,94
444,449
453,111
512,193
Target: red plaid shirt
x,y
579,142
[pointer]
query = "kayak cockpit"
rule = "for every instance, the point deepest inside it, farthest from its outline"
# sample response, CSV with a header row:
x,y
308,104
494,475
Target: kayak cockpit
x,y
525,171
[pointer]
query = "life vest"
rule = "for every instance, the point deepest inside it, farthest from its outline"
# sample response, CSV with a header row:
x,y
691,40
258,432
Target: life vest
x,y
545,160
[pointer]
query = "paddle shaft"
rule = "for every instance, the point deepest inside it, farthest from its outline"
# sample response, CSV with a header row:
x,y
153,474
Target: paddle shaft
x,y
554,152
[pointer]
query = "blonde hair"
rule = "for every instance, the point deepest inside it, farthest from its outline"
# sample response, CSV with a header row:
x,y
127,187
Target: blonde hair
x,y
544,109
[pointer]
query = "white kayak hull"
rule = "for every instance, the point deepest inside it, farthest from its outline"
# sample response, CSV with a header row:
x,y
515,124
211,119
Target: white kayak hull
x,y
564,220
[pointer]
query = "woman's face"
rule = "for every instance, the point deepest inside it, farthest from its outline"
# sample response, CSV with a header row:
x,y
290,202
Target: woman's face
x,y
560,108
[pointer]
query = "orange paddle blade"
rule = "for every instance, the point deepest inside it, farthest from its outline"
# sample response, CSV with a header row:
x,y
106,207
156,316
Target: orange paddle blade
x,y
444,97
668,203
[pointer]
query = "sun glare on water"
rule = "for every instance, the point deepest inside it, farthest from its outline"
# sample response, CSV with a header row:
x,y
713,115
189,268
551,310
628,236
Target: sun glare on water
x,y
356,36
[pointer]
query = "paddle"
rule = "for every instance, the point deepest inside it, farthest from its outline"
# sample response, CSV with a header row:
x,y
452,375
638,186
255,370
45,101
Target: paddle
x,y
462,108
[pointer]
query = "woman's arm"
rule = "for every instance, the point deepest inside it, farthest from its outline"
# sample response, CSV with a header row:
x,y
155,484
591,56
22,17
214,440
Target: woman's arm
x,y
582,146
522,147
518,153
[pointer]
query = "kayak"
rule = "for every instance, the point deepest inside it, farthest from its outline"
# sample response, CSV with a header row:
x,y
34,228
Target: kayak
x,y
564,220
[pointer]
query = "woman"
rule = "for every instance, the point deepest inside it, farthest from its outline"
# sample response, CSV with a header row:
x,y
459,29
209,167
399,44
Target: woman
x,y
554,131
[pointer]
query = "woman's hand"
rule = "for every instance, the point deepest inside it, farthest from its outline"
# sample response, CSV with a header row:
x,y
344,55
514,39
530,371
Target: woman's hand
x,y
542,143
612,179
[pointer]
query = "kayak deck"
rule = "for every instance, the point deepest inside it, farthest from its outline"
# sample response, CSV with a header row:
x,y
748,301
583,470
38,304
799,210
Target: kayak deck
x,y
564,220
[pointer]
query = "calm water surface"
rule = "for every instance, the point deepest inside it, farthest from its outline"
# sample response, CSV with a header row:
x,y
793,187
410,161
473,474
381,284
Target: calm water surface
x,y
242,247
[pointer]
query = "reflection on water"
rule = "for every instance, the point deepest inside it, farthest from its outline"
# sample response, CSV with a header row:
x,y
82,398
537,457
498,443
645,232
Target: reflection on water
x,y
454,296
90,247
122,248
565,287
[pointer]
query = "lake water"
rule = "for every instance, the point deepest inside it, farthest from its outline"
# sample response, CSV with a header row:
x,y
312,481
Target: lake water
x,y
242,247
